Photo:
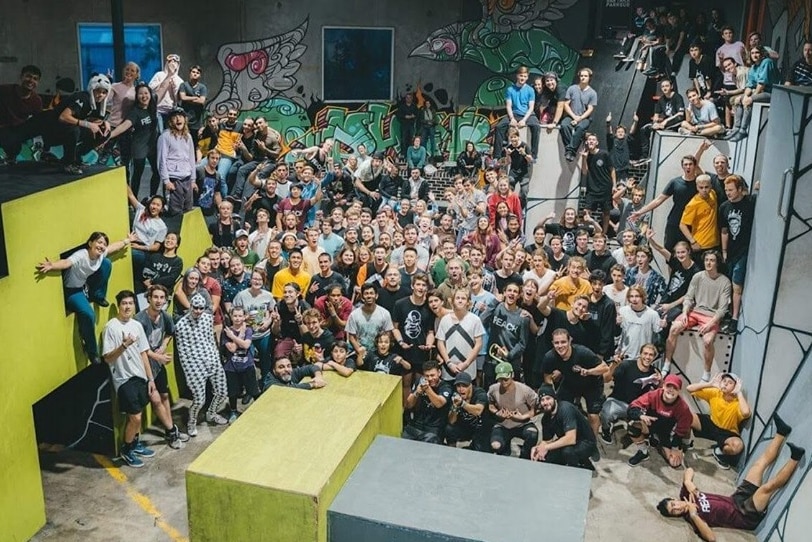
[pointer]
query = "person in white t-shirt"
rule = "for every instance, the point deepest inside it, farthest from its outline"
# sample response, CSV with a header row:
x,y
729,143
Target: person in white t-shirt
x,y
87,268
125,351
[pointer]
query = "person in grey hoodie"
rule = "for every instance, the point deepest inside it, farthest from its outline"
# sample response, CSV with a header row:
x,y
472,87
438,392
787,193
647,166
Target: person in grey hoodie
x,y
176,162
508,331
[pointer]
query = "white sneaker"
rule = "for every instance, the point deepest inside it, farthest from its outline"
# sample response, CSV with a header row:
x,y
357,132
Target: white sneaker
x,y
191,430
216,419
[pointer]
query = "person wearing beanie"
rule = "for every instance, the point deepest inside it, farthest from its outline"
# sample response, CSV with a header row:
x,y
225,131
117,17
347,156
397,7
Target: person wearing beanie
x,y
566,436
747,506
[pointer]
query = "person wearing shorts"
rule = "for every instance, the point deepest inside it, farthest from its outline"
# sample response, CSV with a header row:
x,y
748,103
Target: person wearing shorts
x,y
704,306
159,328
747,506
728,408
125,348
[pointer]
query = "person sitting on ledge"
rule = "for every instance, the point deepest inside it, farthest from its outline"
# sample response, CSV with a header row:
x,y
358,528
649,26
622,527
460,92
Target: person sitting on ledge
x,y
88,268
701,118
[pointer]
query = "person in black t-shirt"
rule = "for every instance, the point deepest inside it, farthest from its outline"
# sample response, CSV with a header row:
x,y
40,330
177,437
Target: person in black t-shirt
x,y
682,269
600,178
414,322
578,372
469,418
140,125
736,224
428,403
519,159
566,438
632,378
382,359
669,112
703,72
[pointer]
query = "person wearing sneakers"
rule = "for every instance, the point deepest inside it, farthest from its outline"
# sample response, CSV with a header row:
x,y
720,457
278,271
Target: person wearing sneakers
x,y
200,360
632,378
125,351
728,409
660,416
468,418
513,405
747,506
704,305
566,437
159,328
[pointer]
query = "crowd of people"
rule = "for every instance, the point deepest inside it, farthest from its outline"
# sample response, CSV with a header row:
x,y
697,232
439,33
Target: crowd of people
x,y
327,263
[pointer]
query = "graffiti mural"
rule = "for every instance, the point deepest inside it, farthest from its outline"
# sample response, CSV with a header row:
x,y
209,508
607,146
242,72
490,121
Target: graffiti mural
x,y
257,71
510,34
260,78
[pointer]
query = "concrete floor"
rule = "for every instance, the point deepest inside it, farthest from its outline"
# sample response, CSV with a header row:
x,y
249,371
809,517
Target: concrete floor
x,y
86,502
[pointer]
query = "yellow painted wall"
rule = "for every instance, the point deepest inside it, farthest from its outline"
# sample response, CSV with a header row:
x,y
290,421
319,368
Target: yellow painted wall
x,y
40,342
272,475
41,349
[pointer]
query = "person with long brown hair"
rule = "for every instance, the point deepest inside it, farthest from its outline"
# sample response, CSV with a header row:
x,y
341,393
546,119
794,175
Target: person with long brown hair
x,y
176,162
484,237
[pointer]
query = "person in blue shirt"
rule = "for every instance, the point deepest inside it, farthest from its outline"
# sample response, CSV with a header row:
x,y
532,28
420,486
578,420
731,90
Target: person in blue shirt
x,y
520,99
762,76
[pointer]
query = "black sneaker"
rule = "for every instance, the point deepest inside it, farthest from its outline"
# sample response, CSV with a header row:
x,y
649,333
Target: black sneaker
x,y
606,435
720,458
638,458
731,327
569,156
72,169
175,438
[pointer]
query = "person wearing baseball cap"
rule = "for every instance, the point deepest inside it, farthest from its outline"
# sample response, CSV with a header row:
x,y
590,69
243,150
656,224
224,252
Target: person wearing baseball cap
x,y
467,419
662,417
728,408
567,438
243,252
513,404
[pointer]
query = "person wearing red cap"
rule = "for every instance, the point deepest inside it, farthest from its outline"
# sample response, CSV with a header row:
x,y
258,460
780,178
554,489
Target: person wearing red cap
x,y
660,416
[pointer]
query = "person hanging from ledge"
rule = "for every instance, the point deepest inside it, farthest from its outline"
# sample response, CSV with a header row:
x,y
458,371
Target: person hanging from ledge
x,y
87,268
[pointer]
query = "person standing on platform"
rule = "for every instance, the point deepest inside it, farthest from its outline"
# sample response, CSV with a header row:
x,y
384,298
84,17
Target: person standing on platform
x,y
407,115
699,222
166,84
192,98
682,189
601,181
520,99
88,269
176,163
736,216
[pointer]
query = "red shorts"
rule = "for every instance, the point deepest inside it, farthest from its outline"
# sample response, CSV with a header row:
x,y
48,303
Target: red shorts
x,y
698,319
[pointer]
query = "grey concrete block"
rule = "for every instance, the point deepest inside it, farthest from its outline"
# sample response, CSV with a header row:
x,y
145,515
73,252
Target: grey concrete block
x,y
405,491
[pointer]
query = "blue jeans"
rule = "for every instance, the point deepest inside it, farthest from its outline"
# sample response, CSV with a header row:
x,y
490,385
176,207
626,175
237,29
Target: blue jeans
x,y
77,302
263,347
223,167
